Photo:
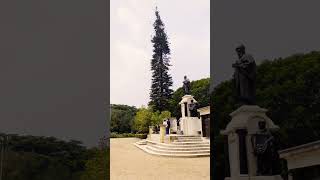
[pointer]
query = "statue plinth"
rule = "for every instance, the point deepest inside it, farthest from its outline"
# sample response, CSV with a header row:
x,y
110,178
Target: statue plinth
x,y
189,125
240,130
162,132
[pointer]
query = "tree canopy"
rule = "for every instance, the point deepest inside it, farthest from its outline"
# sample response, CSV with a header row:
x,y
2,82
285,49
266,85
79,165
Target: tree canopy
x,y
122,117
48,158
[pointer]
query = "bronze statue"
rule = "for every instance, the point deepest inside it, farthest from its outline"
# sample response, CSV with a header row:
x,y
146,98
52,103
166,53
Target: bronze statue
x,y
245,76
193,109
263,147
186,85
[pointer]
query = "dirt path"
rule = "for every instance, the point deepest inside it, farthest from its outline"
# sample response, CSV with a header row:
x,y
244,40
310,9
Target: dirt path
x,y
127,162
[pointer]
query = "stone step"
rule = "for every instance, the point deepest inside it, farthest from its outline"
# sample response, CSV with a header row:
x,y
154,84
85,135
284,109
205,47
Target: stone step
x,y
142,142
191,142
143,147
192,148
201,144
177,151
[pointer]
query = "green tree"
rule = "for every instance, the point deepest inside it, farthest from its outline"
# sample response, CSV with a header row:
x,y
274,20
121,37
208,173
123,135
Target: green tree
x,y
143,120
145,117
122,117
97,168
44,158
157,117
161,80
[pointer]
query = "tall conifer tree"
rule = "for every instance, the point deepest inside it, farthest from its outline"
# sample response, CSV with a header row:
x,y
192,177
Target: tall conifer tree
x,y
161,80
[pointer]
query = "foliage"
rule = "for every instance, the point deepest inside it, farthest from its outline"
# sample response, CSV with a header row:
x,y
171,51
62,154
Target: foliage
x,y
157,117
97,168
200,91
161,80
125,135
145,117
122,117
290,89
142,120
44,158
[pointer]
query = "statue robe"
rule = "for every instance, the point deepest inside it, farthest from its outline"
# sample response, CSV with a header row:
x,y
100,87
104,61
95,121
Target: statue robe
x,y
245,74
186,86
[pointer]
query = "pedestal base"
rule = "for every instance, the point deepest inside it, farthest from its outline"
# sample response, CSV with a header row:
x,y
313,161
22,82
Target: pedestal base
x,y
191,126
240,130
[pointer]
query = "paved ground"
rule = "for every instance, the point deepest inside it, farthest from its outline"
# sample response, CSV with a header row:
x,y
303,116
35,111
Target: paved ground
x,y
127,162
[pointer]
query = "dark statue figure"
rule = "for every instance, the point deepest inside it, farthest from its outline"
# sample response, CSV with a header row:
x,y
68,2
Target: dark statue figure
x,y
193,109
245,76
263,146
186,85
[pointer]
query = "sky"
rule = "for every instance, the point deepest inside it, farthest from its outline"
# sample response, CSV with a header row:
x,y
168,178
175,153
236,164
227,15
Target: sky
x,y
187,23
269,29
53,69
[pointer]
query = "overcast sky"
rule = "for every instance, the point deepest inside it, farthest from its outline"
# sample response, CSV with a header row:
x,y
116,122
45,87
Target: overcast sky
x,y
187,23
269,29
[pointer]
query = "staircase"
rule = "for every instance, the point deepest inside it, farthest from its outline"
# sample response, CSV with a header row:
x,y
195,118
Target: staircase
x,y
183,146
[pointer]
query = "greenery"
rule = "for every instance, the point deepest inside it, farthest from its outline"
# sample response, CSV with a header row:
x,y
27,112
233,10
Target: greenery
x,y
97,167
122,117
290,89
125,135
161,80
47,158
146,117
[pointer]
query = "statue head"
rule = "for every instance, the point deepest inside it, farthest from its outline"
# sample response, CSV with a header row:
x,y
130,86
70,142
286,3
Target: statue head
x,y
241,50
262,125
185,77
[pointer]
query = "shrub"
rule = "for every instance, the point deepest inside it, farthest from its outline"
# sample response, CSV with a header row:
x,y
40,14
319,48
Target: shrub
x,y
125,135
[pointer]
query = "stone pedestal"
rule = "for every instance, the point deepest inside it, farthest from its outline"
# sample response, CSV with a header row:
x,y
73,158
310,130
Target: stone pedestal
x,y
150,129
244,123
189,125
162,132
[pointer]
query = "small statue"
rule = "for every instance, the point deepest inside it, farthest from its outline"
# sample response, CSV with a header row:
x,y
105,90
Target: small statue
x,y
245,76
193,109
262,143
186,85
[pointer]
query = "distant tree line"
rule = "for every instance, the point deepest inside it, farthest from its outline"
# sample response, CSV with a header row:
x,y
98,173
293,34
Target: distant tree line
x,y
290,89
48,158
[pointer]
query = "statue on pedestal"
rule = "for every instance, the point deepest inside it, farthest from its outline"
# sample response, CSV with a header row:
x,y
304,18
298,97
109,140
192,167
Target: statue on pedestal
x,y
263,147
245,76
186,85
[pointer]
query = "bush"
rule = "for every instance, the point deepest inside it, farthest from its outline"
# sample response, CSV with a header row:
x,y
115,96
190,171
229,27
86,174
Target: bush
x,y
125,135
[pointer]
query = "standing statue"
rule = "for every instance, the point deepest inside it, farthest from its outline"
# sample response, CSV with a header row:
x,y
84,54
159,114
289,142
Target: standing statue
x,y
186,85
193,109
263,146
245,76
